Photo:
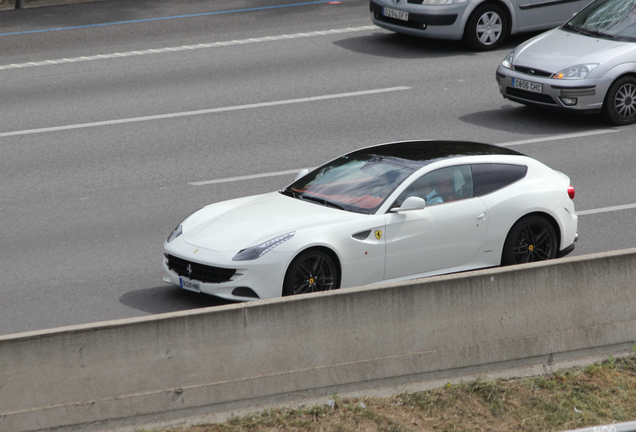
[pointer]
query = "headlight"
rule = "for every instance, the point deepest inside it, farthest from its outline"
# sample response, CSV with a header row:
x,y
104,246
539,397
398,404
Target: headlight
x,y
575,72
260,250
507,62
176,233
442,2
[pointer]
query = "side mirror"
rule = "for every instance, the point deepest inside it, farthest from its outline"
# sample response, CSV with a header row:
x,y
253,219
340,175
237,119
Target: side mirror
x,y
302,173
411,203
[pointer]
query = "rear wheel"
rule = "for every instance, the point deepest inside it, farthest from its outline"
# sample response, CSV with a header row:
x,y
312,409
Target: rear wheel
x,y
530,239
311,271
486,28
620,103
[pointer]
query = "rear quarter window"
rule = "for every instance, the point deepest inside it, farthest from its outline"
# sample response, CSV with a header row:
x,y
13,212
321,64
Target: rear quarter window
x,y
490,177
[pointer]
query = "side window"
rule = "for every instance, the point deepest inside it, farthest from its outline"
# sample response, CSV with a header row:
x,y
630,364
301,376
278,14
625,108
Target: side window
x,y
490,177
440,186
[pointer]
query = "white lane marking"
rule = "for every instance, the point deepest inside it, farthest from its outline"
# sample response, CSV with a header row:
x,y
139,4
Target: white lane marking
x,y
245,177
606,209
202,112
559,137
188,47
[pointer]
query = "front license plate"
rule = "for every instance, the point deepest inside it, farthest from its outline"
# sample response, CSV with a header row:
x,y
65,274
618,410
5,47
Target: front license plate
x,y
527,85
394,13
189,285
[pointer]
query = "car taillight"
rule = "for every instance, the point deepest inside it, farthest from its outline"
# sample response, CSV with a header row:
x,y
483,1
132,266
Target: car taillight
x,y
571,192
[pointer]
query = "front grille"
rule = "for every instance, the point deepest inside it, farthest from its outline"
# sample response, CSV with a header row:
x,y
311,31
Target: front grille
x,y
418,22
530,96
531,71
199,272
411,24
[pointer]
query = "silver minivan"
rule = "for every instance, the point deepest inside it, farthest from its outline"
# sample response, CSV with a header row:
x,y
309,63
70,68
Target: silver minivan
x,y
482,24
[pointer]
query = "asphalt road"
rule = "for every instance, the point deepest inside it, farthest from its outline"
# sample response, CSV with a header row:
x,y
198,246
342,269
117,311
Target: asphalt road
x,y
112,133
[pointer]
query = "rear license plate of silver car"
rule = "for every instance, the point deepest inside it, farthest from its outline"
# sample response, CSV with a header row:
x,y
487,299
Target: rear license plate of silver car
x,y
527,85
394,13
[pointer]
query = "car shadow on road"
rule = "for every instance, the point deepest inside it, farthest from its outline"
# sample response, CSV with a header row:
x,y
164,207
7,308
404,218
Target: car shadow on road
x,y
168,298
395,45
519,118
400,46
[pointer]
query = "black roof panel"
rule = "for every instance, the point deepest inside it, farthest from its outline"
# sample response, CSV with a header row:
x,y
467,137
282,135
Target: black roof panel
x,y
429,151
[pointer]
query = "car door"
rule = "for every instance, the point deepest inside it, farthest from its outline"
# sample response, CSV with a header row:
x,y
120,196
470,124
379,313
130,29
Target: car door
x,y
441,236
545,14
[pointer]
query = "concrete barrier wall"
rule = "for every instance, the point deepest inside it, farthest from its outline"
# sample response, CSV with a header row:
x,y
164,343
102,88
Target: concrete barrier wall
x,y
236,356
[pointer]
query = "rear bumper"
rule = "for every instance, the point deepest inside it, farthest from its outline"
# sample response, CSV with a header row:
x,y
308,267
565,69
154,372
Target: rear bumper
x,y
568,249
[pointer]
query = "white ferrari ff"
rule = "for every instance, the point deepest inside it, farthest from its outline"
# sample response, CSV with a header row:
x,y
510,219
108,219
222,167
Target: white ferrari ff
x,y
383,213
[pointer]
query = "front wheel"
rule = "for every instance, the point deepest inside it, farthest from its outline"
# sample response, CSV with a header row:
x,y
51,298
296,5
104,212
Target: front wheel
x,y
619,106
311,271
530,239
486,28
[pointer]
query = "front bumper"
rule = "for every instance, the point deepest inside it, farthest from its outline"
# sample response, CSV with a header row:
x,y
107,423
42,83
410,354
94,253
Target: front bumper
x,y
436,22
214,273
584,95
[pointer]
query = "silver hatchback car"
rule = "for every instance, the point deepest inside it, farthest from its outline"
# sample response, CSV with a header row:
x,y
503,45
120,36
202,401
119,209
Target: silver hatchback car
x,y
483,24
588,65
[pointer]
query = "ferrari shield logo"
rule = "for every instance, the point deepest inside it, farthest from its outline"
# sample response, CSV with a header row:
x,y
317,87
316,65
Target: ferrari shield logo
x,y
378,234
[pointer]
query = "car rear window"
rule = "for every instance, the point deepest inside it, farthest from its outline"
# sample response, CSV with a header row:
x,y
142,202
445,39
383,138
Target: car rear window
x,y
490,177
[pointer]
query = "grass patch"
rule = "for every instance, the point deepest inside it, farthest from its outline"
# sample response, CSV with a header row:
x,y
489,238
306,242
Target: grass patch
x,y
601,393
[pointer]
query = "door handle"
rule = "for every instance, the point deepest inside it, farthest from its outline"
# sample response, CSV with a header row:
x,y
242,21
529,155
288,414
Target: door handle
x,y
482,216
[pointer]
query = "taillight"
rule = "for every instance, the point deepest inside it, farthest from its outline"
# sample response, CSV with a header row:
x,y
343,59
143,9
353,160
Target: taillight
x,y
571,192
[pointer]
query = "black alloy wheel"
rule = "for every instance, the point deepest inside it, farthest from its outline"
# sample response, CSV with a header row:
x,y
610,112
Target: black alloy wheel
x,y
619,106
530,239
486,28
311,271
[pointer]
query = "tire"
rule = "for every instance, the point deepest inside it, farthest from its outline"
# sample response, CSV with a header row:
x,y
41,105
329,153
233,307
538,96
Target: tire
x,y
486,28
531,239
619,106
311,271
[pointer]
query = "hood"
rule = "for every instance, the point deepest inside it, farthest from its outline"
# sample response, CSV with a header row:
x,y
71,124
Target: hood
x,y
245,222
557,49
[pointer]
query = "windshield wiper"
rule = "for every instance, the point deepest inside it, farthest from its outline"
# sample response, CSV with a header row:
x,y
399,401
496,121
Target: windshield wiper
x,y
596,33
302,196
586,32
322,201
291,193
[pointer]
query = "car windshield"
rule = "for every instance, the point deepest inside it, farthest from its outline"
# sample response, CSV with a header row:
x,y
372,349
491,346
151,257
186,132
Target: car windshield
x,y
358,183
610,19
